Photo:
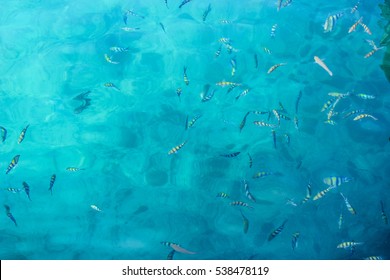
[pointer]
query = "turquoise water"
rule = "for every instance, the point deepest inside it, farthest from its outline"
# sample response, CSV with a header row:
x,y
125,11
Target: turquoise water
x,y
53,51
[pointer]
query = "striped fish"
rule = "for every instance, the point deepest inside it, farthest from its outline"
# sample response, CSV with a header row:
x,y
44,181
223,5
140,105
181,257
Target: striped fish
x,y
170,255
383,214
362,116
3,134
322,193
353,27
250,161
353,112
340,223
111,85
119,49
233,63
248,194
273,30
13,190
26,188
274,67
294,241
242,124
245,222
185,78
354,8
365,27
331,21
245,92
223,195
231,155
240,203
328,104
12,164
277,231
193,121
349,206
9,214
175,149
22,134
335,181
261,123
374,258
348,244
52,180
73,169
208,96
365,96
308,194
262,174
218,52
179,92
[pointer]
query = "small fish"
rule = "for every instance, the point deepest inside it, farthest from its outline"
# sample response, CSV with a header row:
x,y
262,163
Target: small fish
x,y
186,81
231,155
166,3
52,180
186,125
130,12
291,202
26,188
274,67
383,214
12,164
13,190
266,50
284,117
174,150
273,30
331,21
281,108
111,85
119,49
242,124
170,255
109,59
256,61
250,161
225,21
225,83
335,181
9,214
277,231
348,244
193,121
162,27
287,139
286,3
207,97
274,137
260,112
308,194
322,193
354,8
206,12
353,112
240,203
328,104
233,63
277,116
323,65
296,122
248,194
365,96
179,92
245,222
224,40
74,169
353,27
245,92
223,195
183,3
167,243
218,52
371,52
22,134
362,116
365,28
262,174
3,134
261,123
340,222
279,5
294,241
349,206
94,207
127,29
374,258
176,247
339,94
329,121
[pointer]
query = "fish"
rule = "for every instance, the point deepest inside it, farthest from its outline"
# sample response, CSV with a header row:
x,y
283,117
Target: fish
x,y
9,214
348,244
353,112
262,174
230,48
354,8
266,50
242,124
294,241
284,116
12,164
240,203
297,101
296,122
179,92
277,231
291,202
274,67
323,65
183,3
13,190
3,134
331,21
225,83
170,255
23,134
279,5
329,121
225,21
273,30
340,222
349,206
127,29
94,207
186,125
245,222
206,12
365,96
256,61
287,139
166,3
286,3
245,92
277,116
230,155
374,258
233,63
26,188
162,27
328,104
335,181
207,97
119,49
367,55
176,247
223,195
250,160
362,116
175,149
111,85
274,137
261,123
308,194
52,180
365,28
353,27
185,78
248,194
224,40
218,52
383,214
322,193
130,12
193,121
260,112
74,169
109,59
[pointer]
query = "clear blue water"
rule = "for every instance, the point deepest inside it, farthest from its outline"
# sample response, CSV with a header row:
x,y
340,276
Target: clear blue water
x,y
52,51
